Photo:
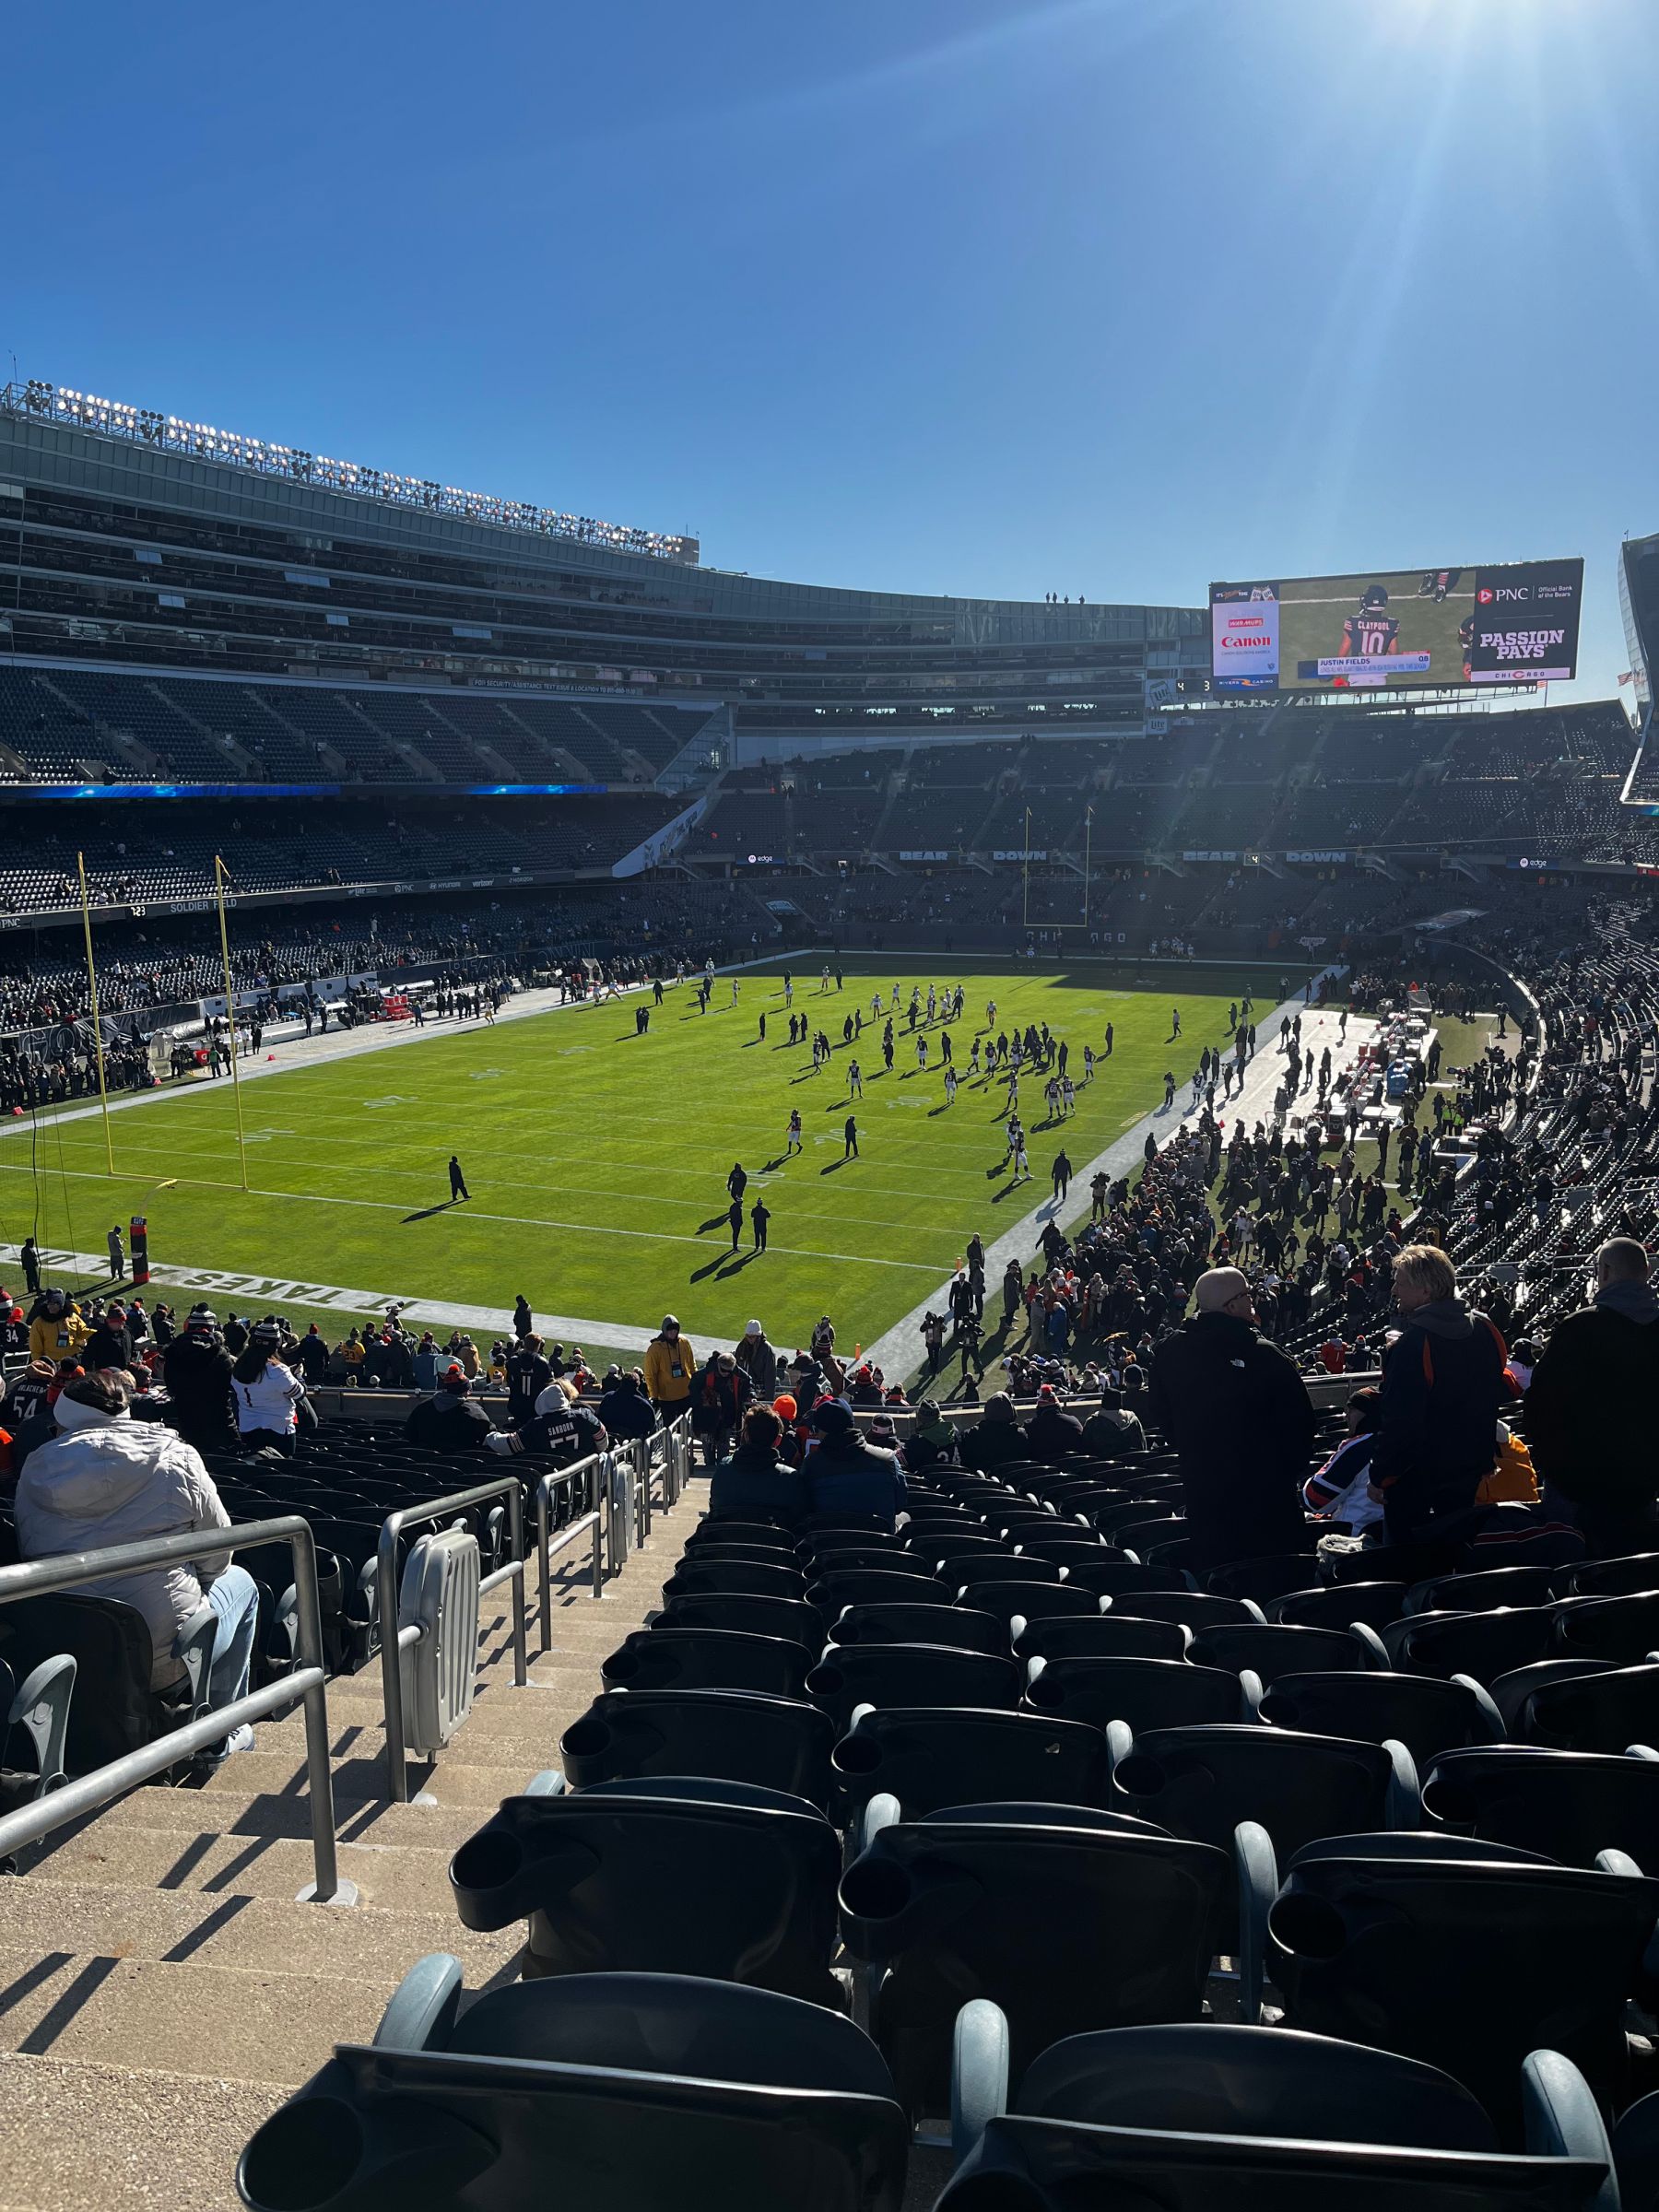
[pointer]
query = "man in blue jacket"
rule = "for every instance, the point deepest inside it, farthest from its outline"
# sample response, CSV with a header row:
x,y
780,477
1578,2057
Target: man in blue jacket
x,y
847,1476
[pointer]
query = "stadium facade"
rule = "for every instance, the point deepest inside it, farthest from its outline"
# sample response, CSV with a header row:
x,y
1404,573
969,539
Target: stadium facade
x,y
139,541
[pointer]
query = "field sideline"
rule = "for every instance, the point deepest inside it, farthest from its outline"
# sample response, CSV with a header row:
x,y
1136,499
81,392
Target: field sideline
x,y
596,1161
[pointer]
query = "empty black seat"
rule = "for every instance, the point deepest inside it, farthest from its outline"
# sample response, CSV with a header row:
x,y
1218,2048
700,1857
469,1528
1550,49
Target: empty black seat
x,y
668,1658
1099,1636
1484,1592
1622,1631
1611,1578
1195,1610
1259,2120
721,1734
632,2089
585,1872
1272,1648
1074,1919
1263,1580
1205,1782
1605,1710
1425,1713
1121,1579
1341,1605
876,1586
930,1758
1569,1804
910,1674
1144,1693
1482,1644
706,1577
1007,1600
791,1620
963,1630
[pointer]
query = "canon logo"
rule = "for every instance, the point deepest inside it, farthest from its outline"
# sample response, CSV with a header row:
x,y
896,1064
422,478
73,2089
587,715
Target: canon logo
x,y
1240,644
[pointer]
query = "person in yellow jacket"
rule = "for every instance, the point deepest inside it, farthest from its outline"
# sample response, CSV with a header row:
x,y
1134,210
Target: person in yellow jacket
x,y
57,1331
670,1369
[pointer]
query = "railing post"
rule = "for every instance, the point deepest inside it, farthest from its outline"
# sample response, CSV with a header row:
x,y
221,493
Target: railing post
x,y
385,1582
515,1522
544,1572
598,1556
326,1887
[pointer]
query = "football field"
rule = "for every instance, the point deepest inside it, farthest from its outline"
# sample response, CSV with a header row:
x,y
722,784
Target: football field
x,y
597,1160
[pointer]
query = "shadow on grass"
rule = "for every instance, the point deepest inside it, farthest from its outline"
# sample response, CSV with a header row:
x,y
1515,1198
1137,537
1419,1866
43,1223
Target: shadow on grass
x,y
426,1212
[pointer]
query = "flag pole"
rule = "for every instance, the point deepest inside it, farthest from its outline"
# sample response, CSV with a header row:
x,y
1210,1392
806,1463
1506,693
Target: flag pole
x,y
218,890
1087,840
1024,920
103,1094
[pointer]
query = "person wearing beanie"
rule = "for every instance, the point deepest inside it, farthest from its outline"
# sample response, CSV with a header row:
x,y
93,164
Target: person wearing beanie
x,y
933,1441
1114,1433
995,1438
450,1421
849,1477
1052,1433
107,1479
759,1360
756,1482
670,1369
57,1331
196,1370
624,1409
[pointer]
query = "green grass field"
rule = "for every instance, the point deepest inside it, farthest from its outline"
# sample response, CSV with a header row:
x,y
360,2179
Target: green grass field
x,y
596,1161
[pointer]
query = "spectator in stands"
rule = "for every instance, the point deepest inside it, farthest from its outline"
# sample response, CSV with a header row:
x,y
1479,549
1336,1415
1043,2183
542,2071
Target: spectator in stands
x,y
56,1330
524,1320
717,1404
1050,1433
1240,1415
26,1409
266,1393
625,1409
196,1369
1442,1382
529,1371
758,1360
426,1361
1590,1407
313,1357
933,1441
845,1475
756,1481
1114,1432
110,1344
450,1421
1342,1490
107,1479
994,1439
561,1426
670,1369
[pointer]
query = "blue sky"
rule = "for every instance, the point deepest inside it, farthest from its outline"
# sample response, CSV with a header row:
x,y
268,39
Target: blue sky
x,y
967,296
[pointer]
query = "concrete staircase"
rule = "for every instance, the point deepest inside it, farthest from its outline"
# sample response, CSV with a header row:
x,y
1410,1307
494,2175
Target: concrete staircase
x,y
160,1991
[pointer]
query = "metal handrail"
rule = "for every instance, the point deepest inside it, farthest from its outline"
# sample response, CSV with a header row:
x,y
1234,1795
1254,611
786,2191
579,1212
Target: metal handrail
x,y
588,1470
37,1578
392,1642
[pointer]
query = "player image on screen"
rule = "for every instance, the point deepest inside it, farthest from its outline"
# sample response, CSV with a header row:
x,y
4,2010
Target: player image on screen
x,y
1465,639
1371,631
1437,583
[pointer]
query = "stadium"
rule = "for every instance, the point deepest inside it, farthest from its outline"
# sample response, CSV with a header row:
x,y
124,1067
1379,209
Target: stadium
x,y
810,1395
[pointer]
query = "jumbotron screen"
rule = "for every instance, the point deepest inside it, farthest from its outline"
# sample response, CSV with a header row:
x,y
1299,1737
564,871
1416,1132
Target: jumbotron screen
x,y
1401,629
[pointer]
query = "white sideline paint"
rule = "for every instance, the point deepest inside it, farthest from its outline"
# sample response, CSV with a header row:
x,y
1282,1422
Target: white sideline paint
x,y
901,1352
275,1291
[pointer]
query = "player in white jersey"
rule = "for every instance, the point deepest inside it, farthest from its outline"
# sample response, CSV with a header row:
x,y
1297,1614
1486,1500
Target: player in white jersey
x,y
854,1080
950,1086
791,1143
922,1054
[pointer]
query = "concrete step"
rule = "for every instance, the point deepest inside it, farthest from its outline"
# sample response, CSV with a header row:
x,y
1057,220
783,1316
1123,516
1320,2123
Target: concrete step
x,y
110,1857
258,1934
254,2026
251,1813
359,1782
478,1745
98,2138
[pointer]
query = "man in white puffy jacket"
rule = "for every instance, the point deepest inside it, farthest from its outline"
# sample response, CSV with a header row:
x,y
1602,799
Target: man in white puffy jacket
x,y
108,1479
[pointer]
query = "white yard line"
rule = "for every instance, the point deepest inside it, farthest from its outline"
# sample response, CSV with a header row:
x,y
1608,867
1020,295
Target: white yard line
x,y
274,1291
900,1351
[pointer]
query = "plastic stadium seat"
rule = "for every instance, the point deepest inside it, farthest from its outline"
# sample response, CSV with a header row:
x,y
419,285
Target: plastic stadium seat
x,y
114,1710
1606,1710
1204,1781
1195,1610
1620,1631
1098,1636
739,1555
719,1735
1482,1593
929,1549
962,1569
1569,1804
1122,1579
910,1674
608,2090
585,1872
1144,1693
1466,1961
1074,1919
1482,1644
664,1658
719,1578
874,1586
1421,1712
1081,1550
931,1757
763,1535
1636,2156
847,1558
1271,1649
957,1626
1374,1604
790,1619
34,1728
1263,1580
1258,2120
1008,1600
1611,1578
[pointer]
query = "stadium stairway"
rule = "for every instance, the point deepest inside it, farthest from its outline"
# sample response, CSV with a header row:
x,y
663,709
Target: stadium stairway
x,y
161,1992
